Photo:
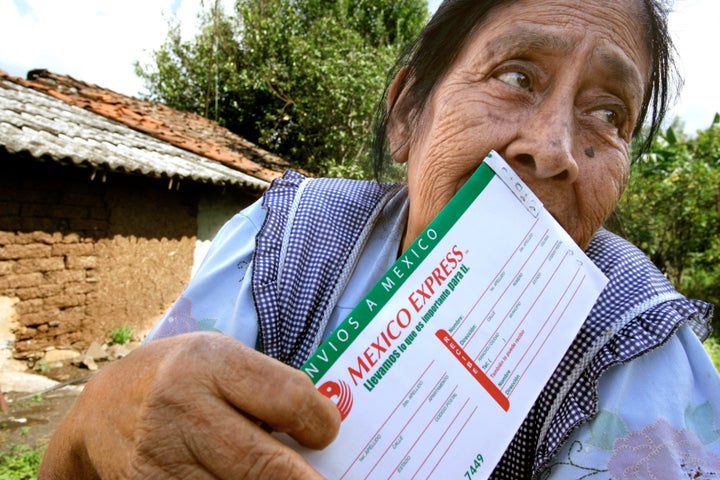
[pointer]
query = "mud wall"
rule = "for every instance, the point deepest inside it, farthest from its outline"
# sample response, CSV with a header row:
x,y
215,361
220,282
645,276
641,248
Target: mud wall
x,y
83,253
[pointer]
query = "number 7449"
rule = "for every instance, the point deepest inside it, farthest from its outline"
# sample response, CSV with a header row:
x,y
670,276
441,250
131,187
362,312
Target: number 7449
x,y
474,467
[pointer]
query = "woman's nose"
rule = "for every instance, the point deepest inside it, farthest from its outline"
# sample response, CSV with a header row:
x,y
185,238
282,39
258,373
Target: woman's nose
x,y
543,148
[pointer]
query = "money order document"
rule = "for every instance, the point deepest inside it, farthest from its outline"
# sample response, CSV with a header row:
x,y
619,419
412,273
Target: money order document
x,y
435,370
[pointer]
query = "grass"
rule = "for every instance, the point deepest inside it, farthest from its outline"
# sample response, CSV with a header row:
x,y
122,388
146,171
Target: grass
x,y
122,335
20,462
41,366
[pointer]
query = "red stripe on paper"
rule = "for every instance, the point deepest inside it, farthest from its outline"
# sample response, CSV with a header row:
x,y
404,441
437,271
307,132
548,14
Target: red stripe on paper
x,y
474,369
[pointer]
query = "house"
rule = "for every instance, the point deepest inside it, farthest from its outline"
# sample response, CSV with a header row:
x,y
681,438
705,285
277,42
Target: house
x,y
106,203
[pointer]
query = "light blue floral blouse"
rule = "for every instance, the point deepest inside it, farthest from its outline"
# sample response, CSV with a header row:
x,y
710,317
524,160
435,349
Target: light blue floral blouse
x,y
658,414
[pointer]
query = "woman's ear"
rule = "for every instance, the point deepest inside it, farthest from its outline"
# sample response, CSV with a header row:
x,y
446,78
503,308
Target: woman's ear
x,y
399,113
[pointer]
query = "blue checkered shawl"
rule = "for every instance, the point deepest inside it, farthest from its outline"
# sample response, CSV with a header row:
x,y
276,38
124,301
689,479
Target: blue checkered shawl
x,y
308,248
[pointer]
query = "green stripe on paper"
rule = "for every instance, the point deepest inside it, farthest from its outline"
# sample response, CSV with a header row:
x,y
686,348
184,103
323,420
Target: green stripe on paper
x,y
326,355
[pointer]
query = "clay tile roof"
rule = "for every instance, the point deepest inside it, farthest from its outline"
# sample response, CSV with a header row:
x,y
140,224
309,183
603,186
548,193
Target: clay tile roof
x,y
184,130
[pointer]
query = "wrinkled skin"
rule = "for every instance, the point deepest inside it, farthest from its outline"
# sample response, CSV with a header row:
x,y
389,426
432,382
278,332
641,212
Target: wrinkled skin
x,y
554,86
541,93
186,407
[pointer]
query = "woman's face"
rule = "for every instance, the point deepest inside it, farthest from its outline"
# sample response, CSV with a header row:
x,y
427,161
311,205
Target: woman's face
x,y
555,87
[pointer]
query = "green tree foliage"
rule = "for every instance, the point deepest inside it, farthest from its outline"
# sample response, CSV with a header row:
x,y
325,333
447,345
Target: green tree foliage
x,y
671,209
300,77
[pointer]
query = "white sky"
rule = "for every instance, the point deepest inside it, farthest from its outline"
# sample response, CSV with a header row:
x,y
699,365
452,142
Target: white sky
x,y
97,41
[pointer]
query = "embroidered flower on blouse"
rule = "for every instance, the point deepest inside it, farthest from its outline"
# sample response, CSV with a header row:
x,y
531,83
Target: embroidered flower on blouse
x,y
180,320
661,451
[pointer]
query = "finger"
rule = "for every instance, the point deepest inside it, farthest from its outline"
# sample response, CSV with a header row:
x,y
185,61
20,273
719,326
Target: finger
x,y
285,399
142,471
266,389
253,453
217,440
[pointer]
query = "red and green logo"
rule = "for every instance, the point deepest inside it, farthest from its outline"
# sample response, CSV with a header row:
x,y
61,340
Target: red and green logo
x,y
339,392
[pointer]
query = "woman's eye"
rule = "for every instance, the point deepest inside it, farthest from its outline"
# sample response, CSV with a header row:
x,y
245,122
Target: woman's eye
x,y
515,79
609,116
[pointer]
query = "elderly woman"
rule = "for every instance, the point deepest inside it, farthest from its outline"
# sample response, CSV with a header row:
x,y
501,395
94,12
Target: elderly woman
x,y
558,88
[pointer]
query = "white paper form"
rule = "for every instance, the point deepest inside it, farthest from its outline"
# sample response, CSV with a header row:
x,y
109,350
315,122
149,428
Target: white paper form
x,y
435,370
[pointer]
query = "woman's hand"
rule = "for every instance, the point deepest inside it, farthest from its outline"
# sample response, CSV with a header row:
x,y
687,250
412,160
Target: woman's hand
x,y
191,406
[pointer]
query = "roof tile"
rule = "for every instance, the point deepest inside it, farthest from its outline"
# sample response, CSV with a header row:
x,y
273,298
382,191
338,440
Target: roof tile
x,y
182,129
49,128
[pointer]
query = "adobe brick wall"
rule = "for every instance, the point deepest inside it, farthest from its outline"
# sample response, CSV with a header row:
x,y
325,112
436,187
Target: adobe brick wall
x,y
81,256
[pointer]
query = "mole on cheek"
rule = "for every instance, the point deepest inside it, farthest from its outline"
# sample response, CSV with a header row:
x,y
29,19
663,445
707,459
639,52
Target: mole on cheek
x,y
590,152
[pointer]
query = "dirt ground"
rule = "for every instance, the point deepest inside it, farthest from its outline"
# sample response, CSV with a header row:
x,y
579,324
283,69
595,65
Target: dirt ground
x,y
32,419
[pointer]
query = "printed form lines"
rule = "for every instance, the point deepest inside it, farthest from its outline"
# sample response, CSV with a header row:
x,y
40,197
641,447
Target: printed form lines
x,y
499,272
